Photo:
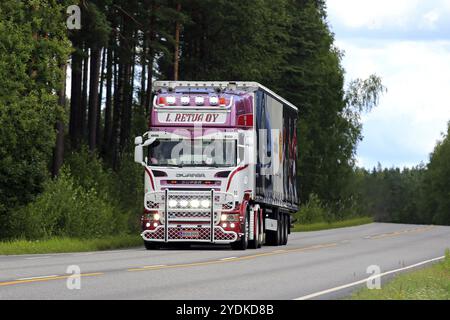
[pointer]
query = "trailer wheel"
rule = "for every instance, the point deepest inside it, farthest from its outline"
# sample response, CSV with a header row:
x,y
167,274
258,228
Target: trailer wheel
x,y
285,229
280,231
242,244
151,245
273,238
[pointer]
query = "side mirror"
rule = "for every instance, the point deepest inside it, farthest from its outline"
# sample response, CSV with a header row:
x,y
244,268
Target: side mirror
x,y
138,141
139,149
138,154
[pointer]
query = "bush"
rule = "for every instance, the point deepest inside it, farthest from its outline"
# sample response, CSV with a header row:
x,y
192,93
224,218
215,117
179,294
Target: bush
x,y
66,209
313,211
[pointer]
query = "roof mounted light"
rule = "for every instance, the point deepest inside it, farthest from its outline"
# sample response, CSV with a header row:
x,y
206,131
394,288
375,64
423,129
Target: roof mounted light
x,y
162,101
214,101
199,101
171,101
185,101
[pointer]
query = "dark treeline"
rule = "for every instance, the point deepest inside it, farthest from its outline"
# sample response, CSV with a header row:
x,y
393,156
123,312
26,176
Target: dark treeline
x,y
83,139
419,195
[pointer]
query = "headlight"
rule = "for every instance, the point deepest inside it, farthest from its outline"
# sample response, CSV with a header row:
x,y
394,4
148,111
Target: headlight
x,y
195,203
184,203
206,204
230,217
173,203
156,217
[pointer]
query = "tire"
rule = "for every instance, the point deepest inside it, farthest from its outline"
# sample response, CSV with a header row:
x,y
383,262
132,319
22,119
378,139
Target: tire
x,y
286,229
273,238
280,230
256,242
261,231
151,245
242,244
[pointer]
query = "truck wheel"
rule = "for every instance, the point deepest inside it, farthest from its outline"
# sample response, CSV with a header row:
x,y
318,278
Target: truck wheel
x,y
261,231
151,245
285,229
255,243
280,231
273,238
242,244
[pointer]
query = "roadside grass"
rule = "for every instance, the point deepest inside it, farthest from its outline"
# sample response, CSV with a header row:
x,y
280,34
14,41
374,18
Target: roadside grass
x,y
64,245
432,283
332,225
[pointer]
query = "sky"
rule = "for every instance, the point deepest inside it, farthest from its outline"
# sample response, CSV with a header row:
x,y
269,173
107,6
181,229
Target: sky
x,y
407,43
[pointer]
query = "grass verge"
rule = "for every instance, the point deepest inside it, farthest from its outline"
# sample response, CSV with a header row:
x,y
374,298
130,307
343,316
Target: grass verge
x,y
432,283
62,245
332,225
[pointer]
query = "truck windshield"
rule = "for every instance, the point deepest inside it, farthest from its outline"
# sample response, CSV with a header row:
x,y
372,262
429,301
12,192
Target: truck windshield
x,y
193,153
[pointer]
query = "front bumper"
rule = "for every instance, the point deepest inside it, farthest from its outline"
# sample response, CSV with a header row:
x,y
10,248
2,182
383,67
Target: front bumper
x,y
189,234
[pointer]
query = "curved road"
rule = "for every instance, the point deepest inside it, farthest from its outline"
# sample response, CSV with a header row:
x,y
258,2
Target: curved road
x,y
317,265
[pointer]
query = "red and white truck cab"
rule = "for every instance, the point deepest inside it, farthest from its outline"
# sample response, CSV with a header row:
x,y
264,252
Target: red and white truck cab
x,y
220,165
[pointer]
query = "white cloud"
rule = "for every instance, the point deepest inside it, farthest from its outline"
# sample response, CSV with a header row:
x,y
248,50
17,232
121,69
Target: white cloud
x,y
371,14
407,43
403,130
411,19
429,20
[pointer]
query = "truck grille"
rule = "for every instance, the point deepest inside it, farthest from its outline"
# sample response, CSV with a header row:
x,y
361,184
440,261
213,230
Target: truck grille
x,y
186,234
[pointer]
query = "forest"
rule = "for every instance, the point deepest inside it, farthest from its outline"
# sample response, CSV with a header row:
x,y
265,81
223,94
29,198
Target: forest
x,y
72,100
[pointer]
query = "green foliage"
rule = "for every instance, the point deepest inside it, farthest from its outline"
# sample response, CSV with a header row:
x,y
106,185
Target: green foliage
x,y
437,183
431,283
318,226
312,211
234,40
87,200
419,195
63,245
66,209
32,49
364,95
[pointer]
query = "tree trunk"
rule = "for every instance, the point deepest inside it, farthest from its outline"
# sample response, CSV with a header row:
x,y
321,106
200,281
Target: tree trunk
x,y
143,72
125,125
100,101
118,98
75,99
93,97
58,152
152,37
84,95
108,104
176,64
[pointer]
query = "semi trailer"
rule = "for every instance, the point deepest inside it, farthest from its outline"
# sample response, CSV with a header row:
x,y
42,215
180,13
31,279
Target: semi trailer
x,y
220,165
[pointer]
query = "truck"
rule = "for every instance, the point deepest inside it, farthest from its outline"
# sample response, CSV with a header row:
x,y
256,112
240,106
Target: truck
x,y
220,162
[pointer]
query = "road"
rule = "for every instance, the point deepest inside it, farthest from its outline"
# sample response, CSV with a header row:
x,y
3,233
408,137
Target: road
x,y
319,265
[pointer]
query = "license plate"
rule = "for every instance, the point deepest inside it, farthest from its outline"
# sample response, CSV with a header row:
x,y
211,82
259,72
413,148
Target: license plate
x,y
190,234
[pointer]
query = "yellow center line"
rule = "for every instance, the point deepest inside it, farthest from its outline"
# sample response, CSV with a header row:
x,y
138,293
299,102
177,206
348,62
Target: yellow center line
x,y
399,233
185,265
250,257
43,279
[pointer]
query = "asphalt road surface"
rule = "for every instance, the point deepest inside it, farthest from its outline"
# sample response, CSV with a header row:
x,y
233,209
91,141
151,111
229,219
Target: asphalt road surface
x,y
319,265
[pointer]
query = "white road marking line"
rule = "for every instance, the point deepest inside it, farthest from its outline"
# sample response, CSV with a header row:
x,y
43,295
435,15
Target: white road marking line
x,y
35,258
230,258
40,277
321,293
